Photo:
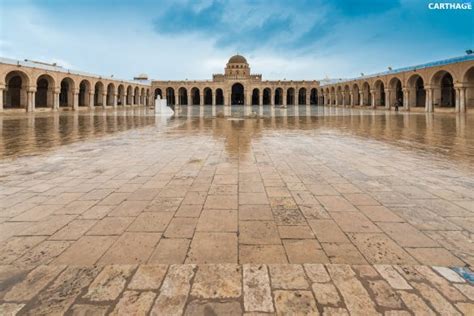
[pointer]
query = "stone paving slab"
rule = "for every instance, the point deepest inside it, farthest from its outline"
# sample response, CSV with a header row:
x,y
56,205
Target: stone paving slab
x,y
231,289
177,194
244,195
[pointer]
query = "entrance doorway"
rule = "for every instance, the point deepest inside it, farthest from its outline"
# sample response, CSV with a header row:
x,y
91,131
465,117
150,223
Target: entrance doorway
x,y
237,94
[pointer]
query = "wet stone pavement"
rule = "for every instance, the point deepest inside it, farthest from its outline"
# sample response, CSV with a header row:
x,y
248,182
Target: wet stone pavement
x,y
299,211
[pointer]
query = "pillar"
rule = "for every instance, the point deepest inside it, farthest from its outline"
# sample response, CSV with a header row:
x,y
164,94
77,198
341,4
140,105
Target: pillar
x,y
201,98
429,99
114,100
372,97
285,92
75,100
56,99
388,93
260,98
229,98
361,98
104,100
248,98
91,100
214,98
1,98
462,100
352,99
307,97
30,105
406,99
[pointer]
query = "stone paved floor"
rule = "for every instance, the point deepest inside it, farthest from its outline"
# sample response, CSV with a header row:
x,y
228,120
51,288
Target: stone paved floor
x,y
231,289
235,192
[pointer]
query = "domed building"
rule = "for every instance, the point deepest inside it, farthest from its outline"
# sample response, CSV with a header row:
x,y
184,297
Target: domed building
x,y
237,65
237,86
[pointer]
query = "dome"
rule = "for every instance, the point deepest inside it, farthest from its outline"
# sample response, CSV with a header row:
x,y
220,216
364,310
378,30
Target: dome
x,y
237,59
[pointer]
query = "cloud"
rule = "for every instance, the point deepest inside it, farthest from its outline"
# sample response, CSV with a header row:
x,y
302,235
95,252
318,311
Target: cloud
x,y
179,39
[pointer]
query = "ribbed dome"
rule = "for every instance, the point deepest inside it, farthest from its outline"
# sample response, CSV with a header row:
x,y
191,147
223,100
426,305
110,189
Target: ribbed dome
x,y
237,59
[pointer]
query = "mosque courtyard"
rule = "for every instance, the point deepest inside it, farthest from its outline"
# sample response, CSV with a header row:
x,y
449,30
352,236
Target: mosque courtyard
x,y
304,210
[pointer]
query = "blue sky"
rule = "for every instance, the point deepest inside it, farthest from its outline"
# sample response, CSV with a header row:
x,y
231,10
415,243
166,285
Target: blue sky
x,y
299,39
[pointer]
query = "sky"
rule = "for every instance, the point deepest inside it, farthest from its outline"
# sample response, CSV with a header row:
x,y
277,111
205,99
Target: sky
x,y
193,39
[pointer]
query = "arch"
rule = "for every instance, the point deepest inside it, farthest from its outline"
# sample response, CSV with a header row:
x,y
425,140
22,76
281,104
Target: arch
x,y
339,97
468,83
66,96
278,96
237,94
290,96
313,96
195,96
44,96
207,96
158,92
332,95
219,96
417,95
356,94
182,96
142,96
110,94
98,94
170,96
302,96
395,85
255,96
444,94
366,95
121,95
128,100
267,96
84,90
347,94
16,85
136,95
379,93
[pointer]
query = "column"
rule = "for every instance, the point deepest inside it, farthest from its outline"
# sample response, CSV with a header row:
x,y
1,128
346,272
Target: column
x,y
429,99
361,98
285,91
30,101
406,99
114,100
201,98
91,100
352,99
104,100
456,100
1,98
248,98
462,100
307,96
272,97
372,96
214,98
75,100
260,98
344,99
387,98
56,99
190,99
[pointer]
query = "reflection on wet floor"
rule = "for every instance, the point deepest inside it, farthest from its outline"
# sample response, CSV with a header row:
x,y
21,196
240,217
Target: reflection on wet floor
x,y
443,134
